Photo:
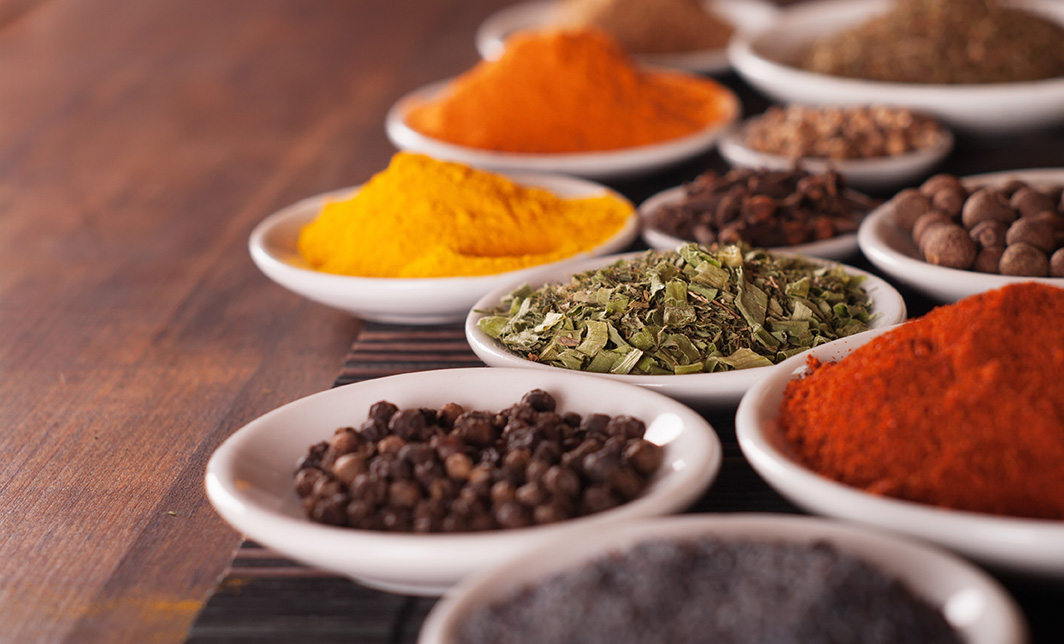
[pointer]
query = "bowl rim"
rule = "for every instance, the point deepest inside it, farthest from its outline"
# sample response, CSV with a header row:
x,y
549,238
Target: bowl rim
x,y
733,148
276,524
301,211
532,14
604,164
906,267
879,550
744,47
720,388
966,532
834,248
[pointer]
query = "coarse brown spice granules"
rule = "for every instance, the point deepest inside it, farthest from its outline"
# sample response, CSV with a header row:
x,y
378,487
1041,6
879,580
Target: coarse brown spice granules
x,y
944,41
825,132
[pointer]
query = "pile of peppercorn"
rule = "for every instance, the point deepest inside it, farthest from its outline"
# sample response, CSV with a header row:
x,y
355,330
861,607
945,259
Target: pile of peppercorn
x,y
452,470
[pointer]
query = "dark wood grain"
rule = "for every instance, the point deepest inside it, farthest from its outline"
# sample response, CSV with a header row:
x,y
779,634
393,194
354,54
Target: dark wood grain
x,y
140,142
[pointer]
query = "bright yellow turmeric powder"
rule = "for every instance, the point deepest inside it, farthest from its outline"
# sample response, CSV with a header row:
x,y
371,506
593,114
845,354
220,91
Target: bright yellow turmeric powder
x,y
427,218
569,91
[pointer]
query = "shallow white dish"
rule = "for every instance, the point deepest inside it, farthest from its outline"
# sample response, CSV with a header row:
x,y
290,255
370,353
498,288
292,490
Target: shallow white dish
x,y
743,15
249,477
979,610
707,390
1026,546
879,173
273,247
836,248
892,250
611,164
763,59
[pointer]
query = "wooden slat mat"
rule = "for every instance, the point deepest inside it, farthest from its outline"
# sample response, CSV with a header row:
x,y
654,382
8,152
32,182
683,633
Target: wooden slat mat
x,y
265,598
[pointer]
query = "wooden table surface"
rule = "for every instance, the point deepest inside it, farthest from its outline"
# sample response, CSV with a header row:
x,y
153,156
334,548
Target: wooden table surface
x,y
140,141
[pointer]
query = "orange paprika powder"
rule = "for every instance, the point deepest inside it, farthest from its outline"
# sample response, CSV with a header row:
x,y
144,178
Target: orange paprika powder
x,y
569,91
962,408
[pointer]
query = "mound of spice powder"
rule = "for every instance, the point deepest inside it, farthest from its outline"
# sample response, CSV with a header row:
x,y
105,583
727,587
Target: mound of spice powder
x,y
427,218
962,408
649,26
569,91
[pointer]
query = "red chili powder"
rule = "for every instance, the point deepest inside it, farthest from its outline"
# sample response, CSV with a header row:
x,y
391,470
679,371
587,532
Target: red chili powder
x,y
962,408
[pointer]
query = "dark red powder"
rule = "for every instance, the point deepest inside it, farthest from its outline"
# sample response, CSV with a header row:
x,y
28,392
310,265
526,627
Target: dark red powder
x,y
963,408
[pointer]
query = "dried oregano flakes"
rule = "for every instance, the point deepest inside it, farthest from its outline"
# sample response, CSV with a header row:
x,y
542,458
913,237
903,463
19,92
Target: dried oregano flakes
x,y
690,310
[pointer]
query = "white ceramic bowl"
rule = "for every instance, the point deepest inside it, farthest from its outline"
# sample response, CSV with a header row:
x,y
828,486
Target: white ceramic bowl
x,y
837,248
273,247
1026,546
249,477
892,250
764,60
744,15
975,605
704,390
879,173
610,164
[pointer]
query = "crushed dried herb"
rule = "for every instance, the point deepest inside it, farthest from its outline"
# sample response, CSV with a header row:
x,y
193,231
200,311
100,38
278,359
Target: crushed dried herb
x,y
690,310
944,41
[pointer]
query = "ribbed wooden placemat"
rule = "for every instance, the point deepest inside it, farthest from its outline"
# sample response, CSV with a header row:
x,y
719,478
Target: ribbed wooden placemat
x,y
266,598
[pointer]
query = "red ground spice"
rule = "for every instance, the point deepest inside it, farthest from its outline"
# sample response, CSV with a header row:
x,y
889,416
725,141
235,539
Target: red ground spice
x,y
962,408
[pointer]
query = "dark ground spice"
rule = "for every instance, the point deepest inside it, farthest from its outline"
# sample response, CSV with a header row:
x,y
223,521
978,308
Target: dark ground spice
x,y
712,590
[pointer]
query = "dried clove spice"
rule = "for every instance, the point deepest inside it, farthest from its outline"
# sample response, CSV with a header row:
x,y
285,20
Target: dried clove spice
x,y
766,208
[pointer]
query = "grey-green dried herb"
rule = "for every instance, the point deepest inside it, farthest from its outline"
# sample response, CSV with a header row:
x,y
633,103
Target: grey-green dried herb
x,y
944,41
691,310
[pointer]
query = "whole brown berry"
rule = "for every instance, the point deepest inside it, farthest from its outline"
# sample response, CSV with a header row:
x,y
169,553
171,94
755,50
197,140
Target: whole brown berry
x,y
1029,231
986,205
950,246
1024,260
1056,264
926,222
988,260
907,206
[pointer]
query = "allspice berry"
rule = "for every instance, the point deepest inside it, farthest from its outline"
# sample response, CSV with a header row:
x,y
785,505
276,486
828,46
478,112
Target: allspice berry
x,y
1011,186
1055,222
950,246
986,205
950,200
940,182
1024,260
989,233
988,260
1028,201
1036,233
908,205
926,222
1056,264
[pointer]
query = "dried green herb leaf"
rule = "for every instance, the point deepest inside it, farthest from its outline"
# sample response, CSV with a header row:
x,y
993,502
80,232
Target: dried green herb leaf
x,y
685,311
